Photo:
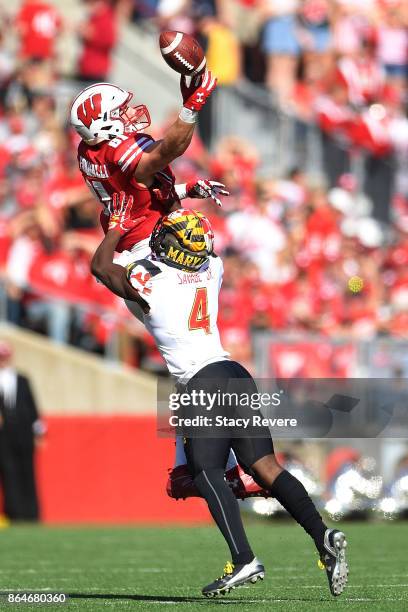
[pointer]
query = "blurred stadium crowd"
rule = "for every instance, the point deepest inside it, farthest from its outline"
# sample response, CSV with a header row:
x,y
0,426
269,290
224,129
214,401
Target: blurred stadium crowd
x,y
299,255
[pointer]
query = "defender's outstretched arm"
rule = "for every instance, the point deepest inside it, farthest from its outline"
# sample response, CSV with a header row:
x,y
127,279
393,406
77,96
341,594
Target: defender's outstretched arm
x,y
110,274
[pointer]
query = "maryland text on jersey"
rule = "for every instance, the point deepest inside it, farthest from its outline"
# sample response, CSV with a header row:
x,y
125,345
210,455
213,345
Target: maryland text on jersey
x,y
178,256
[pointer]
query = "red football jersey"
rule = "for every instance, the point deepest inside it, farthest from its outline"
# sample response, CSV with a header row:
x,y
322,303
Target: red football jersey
x,y
39,24
102,26
109,167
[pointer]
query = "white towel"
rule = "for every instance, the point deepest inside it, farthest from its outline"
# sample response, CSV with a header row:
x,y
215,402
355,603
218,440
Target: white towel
x,y
8,386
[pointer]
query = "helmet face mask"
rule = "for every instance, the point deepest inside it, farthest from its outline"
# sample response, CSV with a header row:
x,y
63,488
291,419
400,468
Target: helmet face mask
x,y
183,240
138,120
102,111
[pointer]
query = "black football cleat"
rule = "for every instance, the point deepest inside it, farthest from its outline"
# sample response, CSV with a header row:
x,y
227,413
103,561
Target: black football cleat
x,y
235,576
333,560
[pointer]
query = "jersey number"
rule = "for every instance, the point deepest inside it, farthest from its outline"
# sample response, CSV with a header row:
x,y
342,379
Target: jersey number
x,y
199,317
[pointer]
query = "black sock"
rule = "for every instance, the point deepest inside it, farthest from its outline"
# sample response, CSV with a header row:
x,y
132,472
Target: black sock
x,y
225,512
294,498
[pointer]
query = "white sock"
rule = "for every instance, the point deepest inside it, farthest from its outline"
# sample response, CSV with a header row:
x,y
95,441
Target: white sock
x,y
232,461
180,458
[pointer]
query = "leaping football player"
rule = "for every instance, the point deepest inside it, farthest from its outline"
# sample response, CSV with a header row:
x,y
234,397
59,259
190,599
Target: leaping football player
x,y
182,246
114,155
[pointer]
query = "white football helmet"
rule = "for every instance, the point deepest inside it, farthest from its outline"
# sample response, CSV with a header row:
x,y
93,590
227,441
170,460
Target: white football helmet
x,y
102,111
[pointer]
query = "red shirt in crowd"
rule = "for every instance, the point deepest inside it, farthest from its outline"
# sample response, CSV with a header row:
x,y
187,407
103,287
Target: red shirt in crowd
x,y
98,42
38,23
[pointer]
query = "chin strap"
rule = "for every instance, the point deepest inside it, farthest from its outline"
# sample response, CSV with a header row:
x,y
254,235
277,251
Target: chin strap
x,y
93,141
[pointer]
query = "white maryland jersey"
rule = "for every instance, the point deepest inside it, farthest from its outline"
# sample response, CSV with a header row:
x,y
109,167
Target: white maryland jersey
x,y
183,312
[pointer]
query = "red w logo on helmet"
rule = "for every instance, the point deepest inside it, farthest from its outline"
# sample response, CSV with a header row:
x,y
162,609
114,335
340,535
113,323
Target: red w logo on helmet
x,y
90,109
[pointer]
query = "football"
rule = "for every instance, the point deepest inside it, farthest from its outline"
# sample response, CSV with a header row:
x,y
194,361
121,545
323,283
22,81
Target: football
x,y
182,53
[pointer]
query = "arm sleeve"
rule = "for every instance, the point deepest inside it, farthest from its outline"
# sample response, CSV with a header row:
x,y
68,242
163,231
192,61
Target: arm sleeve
x,y
129,153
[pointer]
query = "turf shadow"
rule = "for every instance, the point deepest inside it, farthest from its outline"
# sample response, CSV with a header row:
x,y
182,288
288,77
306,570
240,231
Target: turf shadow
x,y
152,598
175,599
134,597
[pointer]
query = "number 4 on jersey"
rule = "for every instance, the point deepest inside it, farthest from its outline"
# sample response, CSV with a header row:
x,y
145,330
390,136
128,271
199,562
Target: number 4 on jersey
x,y
199,317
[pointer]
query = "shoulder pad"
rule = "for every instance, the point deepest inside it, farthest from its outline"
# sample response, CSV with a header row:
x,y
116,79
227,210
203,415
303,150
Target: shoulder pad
x,y
140,273
127,153
147,264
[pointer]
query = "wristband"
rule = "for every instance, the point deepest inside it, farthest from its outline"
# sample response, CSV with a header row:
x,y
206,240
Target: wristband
x,y
181,190
187,115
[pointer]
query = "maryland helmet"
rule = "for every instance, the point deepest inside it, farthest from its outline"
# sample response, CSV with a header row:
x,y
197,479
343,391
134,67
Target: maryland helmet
x,y
102,111
183,239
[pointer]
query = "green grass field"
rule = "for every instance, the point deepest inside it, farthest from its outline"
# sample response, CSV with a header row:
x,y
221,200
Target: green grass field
x,y
117,568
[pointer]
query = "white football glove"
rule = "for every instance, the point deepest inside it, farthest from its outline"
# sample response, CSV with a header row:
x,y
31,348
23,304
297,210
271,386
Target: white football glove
x,y
202,188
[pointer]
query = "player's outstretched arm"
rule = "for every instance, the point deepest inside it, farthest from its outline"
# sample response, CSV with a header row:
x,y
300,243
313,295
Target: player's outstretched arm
x,y
178,137
111,275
